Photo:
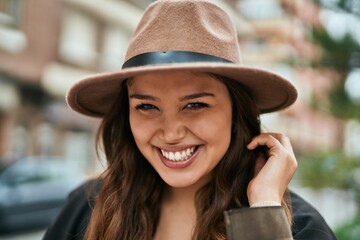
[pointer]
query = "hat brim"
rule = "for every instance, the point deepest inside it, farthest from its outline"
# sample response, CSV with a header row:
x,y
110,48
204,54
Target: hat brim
x,y
94,95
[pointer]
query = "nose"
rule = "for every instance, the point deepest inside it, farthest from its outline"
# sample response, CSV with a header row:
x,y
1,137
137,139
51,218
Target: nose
x,y
172,129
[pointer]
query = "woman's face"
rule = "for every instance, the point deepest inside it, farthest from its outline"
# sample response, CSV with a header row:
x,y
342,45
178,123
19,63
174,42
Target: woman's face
x,y
181,123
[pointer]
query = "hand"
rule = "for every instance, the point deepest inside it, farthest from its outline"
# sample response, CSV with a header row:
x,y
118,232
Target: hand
x,y
272,175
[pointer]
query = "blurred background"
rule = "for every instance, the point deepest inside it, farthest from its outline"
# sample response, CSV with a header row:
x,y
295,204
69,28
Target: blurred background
x,y
46,46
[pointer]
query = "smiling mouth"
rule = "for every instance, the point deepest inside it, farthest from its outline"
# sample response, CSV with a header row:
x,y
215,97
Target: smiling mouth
x,y
179,156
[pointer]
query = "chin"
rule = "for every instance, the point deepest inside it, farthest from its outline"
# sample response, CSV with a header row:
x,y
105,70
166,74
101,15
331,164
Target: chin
x,y
182,182
179,184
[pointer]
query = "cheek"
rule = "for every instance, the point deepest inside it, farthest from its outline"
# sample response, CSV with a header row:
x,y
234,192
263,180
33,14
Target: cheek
x,y
140,129
213,129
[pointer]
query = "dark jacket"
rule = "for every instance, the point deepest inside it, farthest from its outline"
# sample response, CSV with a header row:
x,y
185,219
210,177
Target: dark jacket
x,y
247,223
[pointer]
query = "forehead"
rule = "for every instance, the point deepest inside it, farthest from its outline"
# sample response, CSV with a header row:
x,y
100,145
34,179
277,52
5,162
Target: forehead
x,y
175,80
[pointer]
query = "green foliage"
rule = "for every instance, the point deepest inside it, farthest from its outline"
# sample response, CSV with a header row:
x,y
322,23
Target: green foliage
x,y
328,169
337,53
349,231
348,6
341,105
351,6
341,55
334,168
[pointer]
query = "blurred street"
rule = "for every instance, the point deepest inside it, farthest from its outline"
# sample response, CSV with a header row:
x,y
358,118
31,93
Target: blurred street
x,y
37,235
46,150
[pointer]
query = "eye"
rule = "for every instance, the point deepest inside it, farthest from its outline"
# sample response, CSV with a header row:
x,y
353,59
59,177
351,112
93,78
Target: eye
x,y
196,105
145,107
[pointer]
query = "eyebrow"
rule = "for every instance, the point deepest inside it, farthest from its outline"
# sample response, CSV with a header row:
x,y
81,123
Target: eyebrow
x,y
197,95
184,98
144,97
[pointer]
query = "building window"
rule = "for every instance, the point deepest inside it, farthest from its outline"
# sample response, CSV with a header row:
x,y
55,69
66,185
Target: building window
x,y
113,49
78,43
10,13
12,39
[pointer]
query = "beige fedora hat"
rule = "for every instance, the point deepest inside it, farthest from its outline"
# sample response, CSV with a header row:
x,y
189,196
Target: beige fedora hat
x,y
189,35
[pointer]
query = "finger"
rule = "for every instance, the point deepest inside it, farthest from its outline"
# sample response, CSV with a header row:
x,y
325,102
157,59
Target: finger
x,y
279,147
263,140
283,139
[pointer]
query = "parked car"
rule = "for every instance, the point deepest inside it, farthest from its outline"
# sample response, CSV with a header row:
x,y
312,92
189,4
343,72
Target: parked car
x,y
33,191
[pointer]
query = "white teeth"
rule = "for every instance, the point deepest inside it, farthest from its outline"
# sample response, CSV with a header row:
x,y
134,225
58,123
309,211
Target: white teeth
x,y
178,156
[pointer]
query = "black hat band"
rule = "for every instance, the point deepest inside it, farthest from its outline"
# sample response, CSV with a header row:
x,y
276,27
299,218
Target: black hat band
x,y
156,58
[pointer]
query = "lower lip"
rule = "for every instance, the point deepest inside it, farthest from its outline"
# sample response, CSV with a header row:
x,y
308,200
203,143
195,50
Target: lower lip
x,y
180,164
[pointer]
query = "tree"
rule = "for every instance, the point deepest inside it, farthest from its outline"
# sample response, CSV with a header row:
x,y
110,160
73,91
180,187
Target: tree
x,y
335,168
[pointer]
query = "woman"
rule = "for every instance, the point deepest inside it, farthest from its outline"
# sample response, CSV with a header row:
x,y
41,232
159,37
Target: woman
x,y
181,133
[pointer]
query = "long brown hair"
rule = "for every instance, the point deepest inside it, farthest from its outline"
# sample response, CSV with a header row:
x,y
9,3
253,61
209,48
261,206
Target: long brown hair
x,y
128,204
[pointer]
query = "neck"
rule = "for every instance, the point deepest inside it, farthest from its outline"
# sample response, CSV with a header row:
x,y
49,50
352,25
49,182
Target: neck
x,y
178,212
183,195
